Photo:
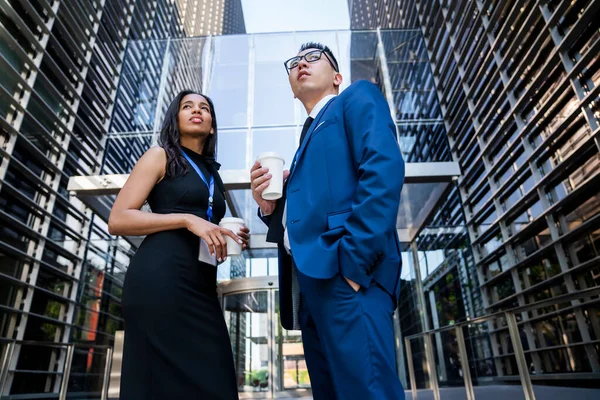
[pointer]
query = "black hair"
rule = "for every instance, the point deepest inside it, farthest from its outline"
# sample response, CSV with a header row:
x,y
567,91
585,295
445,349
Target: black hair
x,y
326,50
169,138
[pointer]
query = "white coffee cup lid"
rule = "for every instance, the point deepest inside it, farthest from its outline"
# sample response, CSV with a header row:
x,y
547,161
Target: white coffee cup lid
x,y
232,220
270,154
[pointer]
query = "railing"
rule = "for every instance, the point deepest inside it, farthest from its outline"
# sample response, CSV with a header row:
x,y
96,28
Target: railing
x,y
9,350
515,339
509,315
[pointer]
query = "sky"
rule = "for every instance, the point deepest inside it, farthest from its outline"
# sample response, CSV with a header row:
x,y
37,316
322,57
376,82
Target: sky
x,y
299,15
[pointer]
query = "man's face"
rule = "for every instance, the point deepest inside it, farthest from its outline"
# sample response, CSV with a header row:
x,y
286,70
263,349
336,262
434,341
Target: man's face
x,y
315,77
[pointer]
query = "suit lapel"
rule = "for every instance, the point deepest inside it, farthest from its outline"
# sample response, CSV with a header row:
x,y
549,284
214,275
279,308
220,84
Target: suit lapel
x,y
309,135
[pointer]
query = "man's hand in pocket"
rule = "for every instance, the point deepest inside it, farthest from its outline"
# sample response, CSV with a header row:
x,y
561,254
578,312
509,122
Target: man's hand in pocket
x,y
353,284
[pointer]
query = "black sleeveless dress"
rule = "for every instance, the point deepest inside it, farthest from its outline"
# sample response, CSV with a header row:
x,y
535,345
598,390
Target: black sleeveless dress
x,y
176,340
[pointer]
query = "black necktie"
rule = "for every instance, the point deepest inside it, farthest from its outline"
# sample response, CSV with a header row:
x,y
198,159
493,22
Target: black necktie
x,y
307,123
276,230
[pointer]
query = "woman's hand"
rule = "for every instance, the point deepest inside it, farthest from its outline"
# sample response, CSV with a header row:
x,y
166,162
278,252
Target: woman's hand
x,y
244,234
212,234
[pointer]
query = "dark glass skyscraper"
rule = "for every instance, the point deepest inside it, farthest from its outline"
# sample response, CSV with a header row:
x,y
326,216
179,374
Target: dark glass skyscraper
x,y
518,86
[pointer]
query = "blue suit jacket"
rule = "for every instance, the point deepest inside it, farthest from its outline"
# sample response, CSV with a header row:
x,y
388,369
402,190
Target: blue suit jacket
x,y
343,194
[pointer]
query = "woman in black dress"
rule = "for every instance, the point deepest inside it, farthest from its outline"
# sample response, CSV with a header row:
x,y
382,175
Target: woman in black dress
x,y
176,341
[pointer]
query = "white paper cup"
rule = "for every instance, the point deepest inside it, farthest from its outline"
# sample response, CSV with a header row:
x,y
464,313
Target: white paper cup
x,y
274,163
234,225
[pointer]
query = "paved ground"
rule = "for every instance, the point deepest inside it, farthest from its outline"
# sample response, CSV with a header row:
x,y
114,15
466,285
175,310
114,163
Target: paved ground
x,y
498,392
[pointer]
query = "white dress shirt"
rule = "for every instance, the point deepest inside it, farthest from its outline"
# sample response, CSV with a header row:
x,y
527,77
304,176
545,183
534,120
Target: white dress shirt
x,y
313,114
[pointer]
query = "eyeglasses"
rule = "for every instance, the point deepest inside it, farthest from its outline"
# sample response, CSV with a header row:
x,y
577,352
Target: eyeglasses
x,y
311,57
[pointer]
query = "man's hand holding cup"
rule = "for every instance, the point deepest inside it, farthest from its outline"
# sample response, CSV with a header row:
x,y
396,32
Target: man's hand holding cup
x,y
266,181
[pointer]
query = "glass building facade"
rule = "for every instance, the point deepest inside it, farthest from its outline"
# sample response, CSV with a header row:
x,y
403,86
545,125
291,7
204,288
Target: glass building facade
x,y
508,91
256,112
61,274
518,89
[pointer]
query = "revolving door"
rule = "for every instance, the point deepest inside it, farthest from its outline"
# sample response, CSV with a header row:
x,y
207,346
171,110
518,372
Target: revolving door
x,y
269,360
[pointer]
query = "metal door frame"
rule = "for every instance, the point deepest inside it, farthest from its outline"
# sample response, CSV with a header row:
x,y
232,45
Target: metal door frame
x,y
269,284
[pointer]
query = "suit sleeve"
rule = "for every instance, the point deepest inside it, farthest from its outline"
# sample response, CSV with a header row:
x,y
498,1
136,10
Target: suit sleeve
x,y
380,169
266,219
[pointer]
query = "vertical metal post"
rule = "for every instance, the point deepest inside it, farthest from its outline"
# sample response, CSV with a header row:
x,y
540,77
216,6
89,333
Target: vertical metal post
x,y
207,64
513,329
5,365
114,381
420,297
66,373
385,72
107,365
438,335
411,368
464,362
431,367
270,342
400,353
250,205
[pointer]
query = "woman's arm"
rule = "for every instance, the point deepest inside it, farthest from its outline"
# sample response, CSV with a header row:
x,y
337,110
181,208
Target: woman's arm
x,y
126,218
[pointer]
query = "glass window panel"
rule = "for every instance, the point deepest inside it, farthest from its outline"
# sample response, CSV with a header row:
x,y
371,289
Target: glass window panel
x,y
47,280
42,330
11,57
14,238
489,220
492,270
25,383
363,54
493,243
587,247
502,289
281,140
232,149
244,203
247,320
258,267
273,98
10,266
229,80
87,372
583,212
8,293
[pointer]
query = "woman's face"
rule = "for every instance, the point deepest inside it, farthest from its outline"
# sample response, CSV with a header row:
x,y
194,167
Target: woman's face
x,y
194,116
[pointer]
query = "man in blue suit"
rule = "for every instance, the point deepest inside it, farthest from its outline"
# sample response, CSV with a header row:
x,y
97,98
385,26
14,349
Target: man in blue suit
x,y
335,226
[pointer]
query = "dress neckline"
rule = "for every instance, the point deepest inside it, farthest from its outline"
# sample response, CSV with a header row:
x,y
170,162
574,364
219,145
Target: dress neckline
x,y
208,162
211,165
197,157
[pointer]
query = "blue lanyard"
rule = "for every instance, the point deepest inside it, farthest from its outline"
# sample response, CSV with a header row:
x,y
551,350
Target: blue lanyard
x,y
211,186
